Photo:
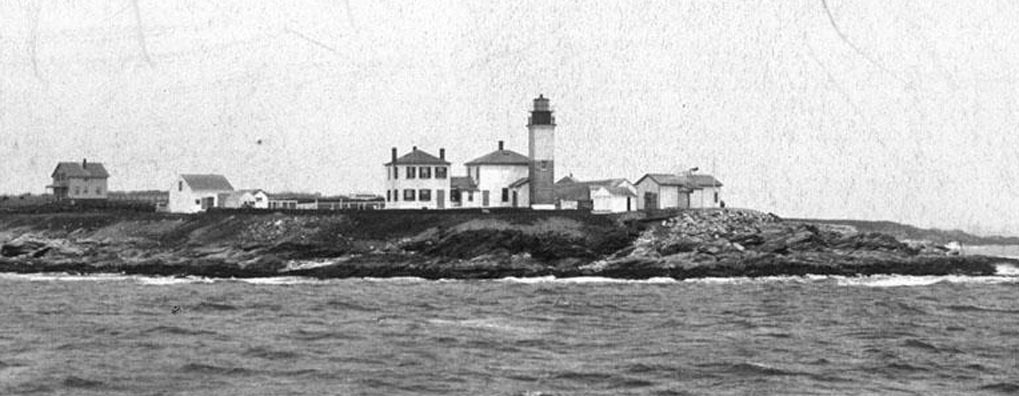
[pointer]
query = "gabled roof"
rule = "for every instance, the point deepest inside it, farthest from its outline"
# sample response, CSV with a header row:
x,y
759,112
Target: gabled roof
x,y
240,193
581,191
616,190
74,169
418,157
520,182
501,157
605,182
207,182
465,183
567,179
573,192
692,181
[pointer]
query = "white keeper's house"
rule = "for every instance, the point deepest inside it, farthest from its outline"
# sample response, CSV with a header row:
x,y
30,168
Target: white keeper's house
x,y
79,180
417,180
501,178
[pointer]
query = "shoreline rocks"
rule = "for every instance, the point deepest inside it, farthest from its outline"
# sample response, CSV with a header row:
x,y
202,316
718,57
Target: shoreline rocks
x,y
688,244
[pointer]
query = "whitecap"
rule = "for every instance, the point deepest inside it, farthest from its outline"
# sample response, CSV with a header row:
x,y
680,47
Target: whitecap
x,y
762,279
497,324
278,280
62,276
912,281
582,280
1006,270
167,280
536,279
395,279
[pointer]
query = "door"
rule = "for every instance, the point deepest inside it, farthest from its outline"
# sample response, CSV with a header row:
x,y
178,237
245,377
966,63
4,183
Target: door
x,y
514,199
650,201
440,199
484,198
628,204
208,202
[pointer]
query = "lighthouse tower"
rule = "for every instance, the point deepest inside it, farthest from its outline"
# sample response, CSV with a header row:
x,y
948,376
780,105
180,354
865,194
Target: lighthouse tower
x,y
541,146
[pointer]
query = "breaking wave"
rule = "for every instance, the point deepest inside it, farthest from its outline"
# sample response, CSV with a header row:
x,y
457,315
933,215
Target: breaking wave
x,y
1005,273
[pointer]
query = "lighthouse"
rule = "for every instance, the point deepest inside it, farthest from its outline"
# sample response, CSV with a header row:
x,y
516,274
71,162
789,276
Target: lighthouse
x,y
541,147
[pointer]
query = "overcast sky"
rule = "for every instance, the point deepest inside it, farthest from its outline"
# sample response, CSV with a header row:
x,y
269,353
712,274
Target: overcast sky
x,y
891,110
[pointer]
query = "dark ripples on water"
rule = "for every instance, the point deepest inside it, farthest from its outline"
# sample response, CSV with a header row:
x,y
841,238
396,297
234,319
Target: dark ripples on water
x,y
781,336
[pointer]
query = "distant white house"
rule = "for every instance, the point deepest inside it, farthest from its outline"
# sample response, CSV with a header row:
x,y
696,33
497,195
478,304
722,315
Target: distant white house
x,y
256,199
502,178
196,193
688,190
599,196
79,180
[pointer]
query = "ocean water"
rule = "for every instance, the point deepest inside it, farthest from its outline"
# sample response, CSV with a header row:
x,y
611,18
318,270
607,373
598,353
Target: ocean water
x,y
125,335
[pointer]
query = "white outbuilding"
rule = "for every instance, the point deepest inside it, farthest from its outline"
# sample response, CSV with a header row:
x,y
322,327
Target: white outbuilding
x,y
256,199
598,196
667,191
195,193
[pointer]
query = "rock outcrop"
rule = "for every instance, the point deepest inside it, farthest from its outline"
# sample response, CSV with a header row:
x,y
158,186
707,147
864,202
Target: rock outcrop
x,y
429,244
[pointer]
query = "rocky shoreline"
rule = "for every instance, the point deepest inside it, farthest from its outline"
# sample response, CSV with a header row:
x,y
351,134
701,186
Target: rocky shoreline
x,y
462,245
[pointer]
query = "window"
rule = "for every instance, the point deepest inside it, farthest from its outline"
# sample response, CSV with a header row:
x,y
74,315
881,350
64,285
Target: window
x,y
396,195
180,186
408,194
76,191
544,165
389,195
198,202
505,195
99,191
425,172
440,172
396,172
411,172
716,196
477,175
425,194
470,196
454,195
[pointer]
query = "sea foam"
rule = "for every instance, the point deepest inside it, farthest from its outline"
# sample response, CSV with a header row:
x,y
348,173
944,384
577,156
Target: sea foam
x,y
582,279
1006,270
908,281
63,276
278,280
168,281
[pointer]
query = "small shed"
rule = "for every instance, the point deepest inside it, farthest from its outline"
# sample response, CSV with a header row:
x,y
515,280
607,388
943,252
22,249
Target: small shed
x,y
192,193
666,191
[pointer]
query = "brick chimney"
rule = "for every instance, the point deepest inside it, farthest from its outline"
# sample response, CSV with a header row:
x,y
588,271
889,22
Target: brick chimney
x,y
442,154
500,145
84,163
394,154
